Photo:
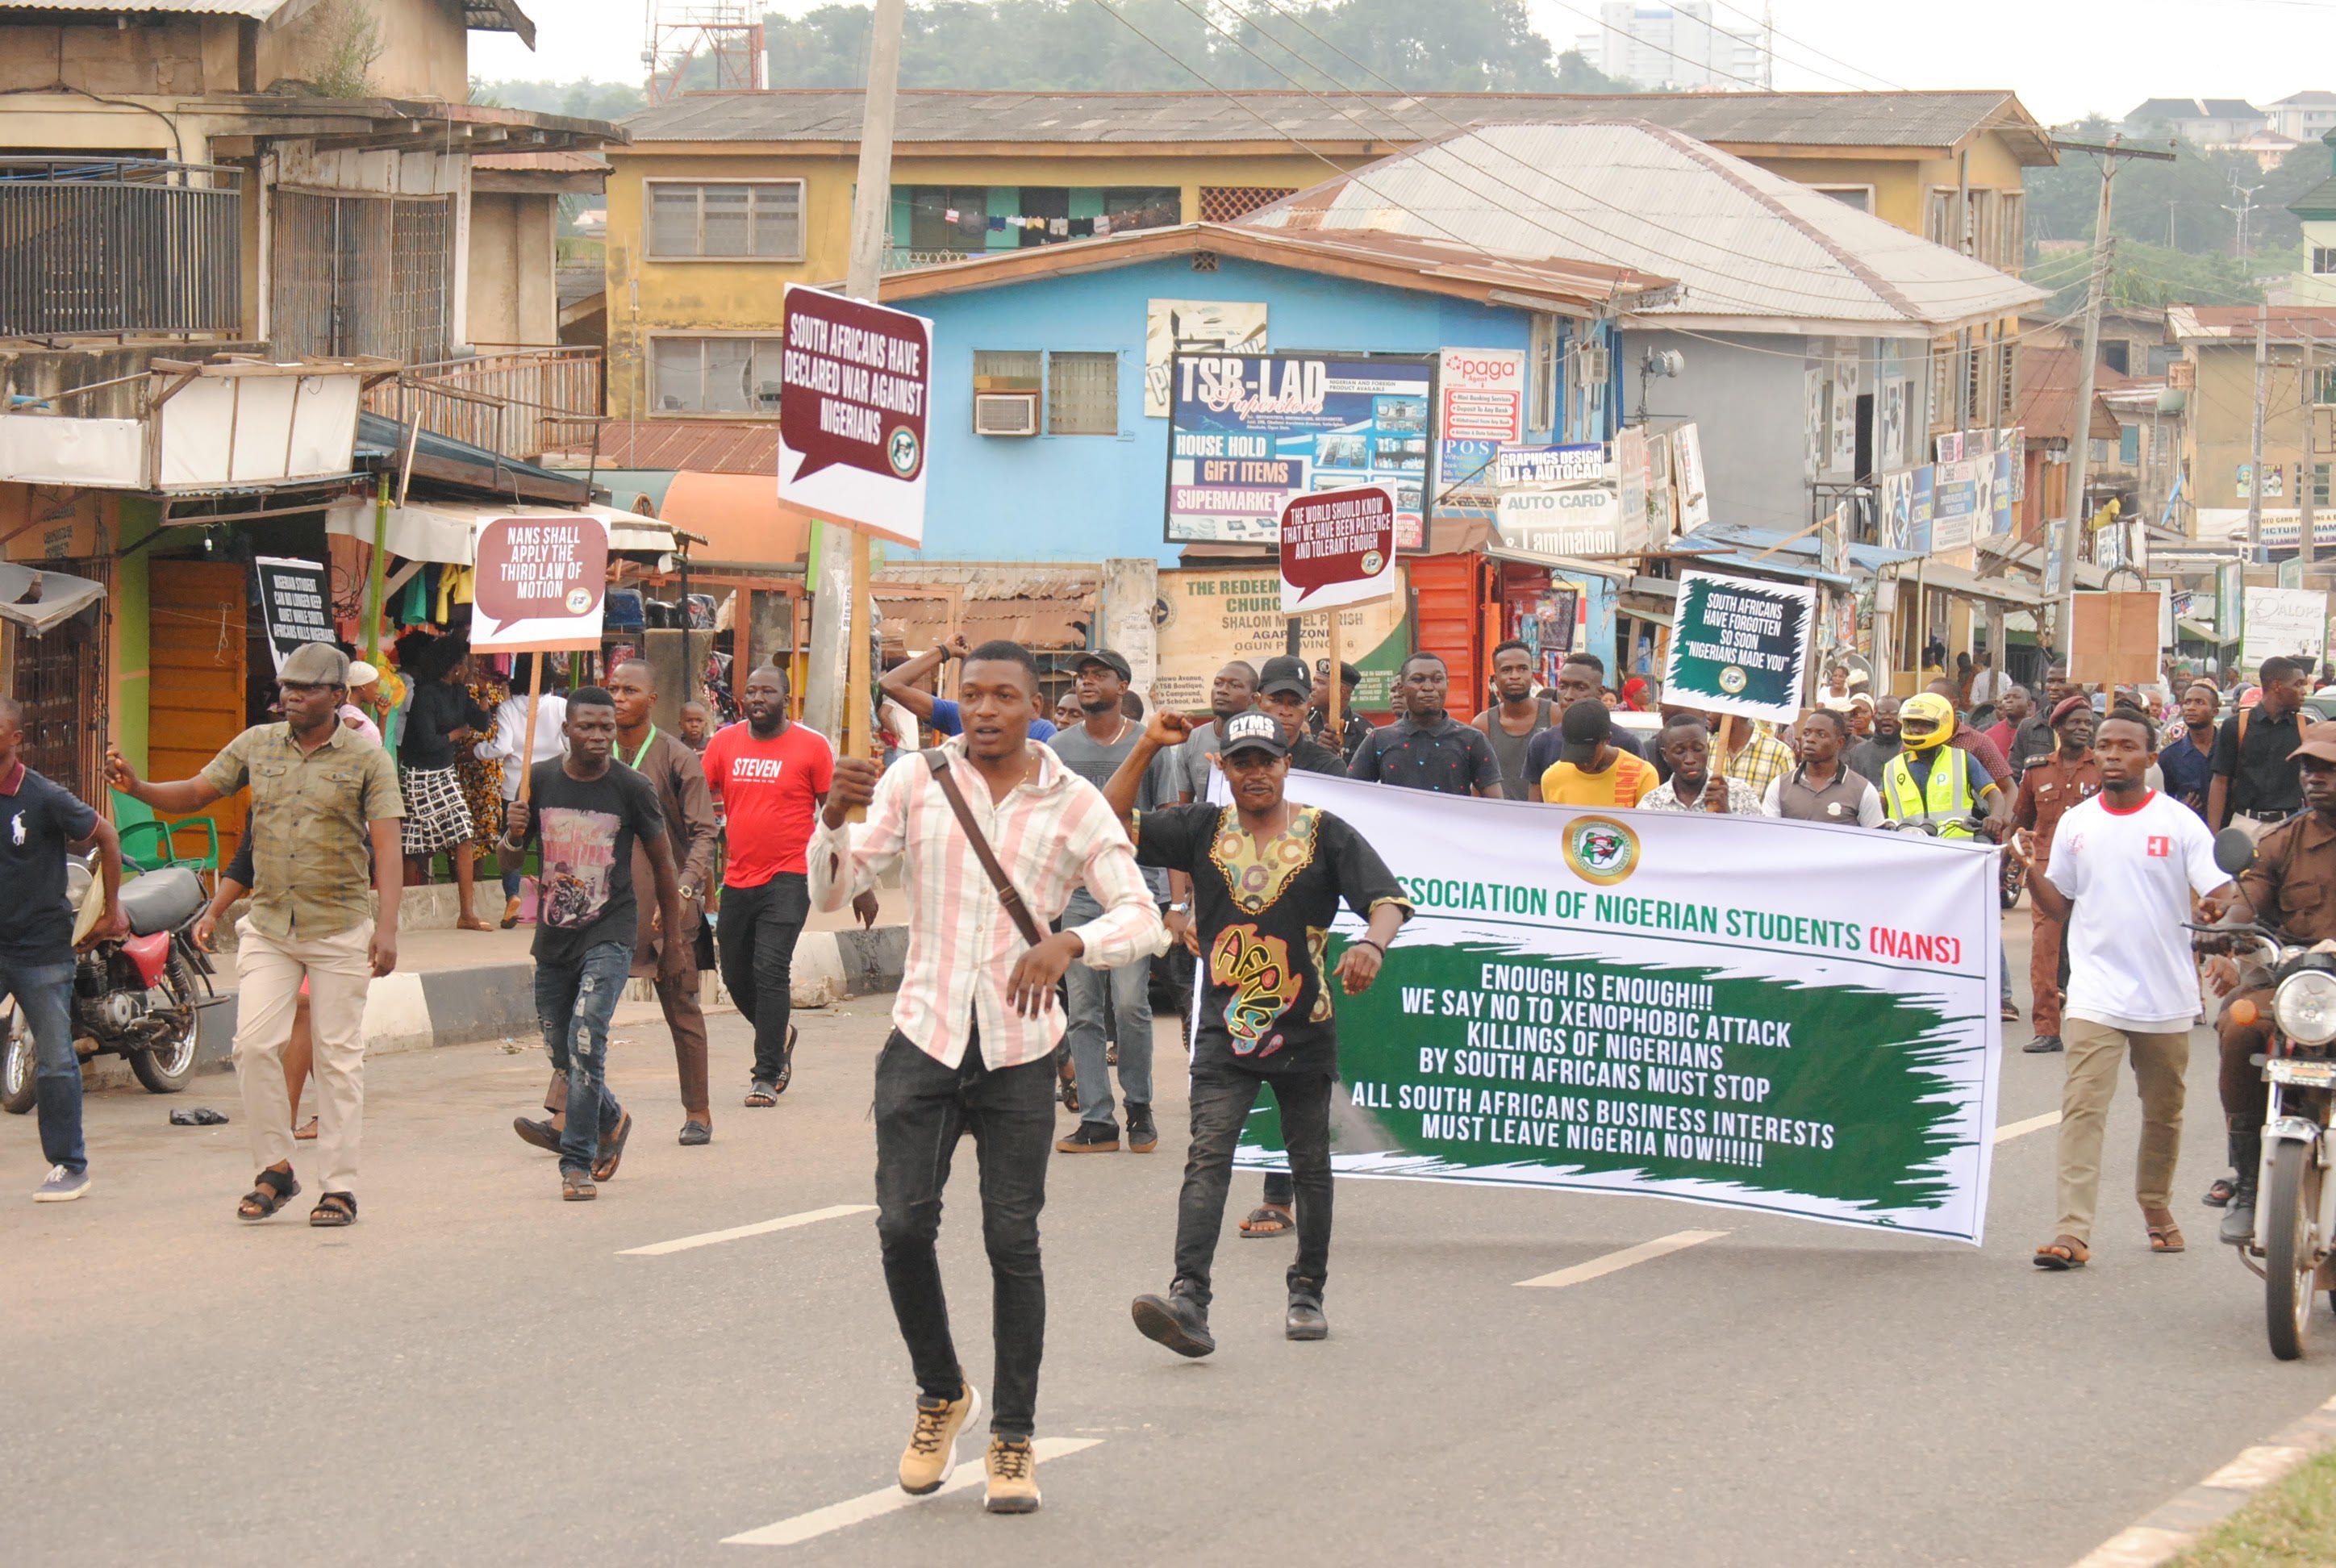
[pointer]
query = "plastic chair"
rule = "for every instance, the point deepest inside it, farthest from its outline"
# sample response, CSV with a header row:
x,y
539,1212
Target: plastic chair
x,y
136,822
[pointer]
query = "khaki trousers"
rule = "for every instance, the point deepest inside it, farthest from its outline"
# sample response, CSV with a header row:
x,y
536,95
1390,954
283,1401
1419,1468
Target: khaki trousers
x,y
338,969
2093,1052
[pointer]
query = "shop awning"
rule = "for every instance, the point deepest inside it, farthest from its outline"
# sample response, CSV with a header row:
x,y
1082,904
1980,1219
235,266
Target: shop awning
x,y
443,531
1962,581
2202,632
1616,572
61,598
1779,552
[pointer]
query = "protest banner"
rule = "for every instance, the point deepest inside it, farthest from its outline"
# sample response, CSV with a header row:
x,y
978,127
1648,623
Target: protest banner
x,y
1740,646
542,586
295,603
1580,1003
855,382
1249,431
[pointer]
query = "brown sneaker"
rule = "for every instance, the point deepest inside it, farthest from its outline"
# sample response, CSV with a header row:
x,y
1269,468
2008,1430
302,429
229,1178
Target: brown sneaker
x,y
1013,1477
931,1452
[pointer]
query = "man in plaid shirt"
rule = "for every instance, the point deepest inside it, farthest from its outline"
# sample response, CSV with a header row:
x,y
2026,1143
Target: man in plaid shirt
x,y
975,1025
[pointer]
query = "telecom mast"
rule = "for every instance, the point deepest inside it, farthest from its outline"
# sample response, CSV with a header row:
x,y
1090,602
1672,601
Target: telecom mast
x,y
709,45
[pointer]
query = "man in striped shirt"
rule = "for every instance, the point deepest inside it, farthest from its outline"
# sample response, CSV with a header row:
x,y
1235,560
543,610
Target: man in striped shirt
x,y
975,1025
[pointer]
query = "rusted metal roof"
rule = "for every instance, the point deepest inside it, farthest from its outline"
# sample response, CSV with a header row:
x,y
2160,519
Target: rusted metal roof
x,y
1938,120
1558,283
697,445
479,16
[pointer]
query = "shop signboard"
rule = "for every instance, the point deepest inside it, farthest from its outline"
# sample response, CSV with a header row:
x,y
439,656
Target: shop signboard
x,y
855,386
1247,432
1205,616
1631,483
1687,468
1524,467
1557,525
2289,621
1955,505
1481,407
1174,326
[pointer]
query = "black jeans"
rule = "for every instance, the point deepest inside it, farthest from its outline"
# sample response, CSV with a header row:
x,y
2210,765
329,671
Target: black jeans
x,y
922,1110
756,931
1221,1098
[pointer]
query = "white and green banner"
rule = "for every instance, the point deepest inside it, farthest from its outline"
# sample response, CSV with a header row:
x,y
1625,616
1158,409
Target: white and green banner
x,y
1780,1015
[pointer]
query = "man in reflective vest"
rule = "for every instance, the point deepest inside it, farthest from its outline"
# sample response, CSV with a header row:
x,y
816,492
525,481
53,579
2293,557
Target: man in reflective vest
x,y
1931,781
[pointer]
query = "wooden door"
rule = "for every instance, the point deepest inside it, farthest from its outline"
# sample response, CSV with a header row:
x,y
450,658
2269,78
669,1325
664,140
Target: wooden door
x,y
195,663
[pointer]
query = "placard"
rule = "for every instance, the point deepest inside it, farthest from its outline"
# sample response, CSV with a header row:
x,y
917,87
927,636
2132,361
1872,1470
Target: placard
x,y
855,386
2284,621
1778,1017
296,603
1338,548
541,583
1247,432
2115,641
1741,645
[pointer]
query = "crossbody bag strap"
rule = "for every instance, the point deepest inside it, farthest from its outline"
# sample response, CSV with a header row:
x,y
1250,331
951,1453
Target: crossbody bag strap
x,y
1007,894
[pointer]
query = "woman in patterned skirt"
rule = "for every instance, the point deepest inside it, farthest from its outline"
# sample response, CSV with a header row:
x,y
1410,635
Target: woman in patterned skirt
x,y
438,817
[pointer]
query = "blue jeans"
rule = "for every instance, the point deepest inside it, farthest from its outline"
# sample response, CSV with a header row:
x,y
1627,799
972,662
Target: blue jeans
x,y
1128,989
574,1004
43,994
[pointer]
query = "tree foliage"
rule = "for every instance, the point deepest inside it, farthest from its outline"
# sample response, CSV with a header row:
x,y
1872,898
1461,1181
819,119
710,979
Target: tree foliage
x,y
1075,45
585,99
2183,206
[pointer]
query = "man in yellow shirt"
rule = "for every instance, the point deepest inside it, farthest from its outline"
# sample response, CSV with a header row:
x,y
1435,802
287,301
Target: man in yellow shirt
x,y
1590,770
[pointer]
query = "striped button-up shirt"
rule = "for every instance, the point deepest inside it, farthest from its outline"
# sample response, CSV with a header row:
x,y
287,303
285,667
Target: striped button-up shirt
x,y
1052,831
1758,762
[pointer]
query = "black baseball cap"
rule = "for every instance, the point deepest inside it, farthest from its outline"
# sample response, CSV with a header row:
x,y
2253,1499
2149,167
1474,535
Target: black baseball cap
x,y
1586,726
1285,672
1348,673
1261,731
1115,663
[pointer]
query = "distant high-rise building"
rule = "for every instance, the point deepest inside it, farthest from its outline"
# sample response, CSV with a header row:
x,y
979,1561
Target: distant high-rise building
x,y
1678,45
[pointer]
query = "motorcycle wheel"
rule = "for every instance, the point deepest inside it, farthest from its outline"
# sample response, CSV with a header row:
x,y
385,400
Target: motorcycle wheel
x,y
2015,878
2285,1222
166,1069
15,1063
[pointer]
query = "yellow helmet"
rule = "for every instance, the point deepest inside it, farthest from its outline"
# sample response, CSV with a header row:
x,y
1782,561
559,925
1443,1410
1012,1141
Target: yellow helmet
x,y
1929,708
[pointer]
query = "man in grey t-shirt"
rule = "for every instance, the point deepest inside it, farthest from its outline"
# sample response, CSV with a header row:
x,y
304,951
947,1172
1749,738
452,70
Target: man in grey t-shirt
x,y
1232,693
1093,750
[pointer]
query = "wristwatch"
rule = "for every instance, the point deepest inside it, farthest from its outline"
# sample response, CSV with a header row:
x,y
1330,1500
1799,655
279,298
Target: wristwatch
x,y
689,892
1180,909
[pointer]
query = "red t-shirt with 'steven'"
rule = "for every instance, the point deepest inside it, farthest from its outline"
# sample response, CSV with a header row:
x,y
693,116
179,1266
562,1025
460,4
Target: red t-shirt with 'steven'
x,y
768,791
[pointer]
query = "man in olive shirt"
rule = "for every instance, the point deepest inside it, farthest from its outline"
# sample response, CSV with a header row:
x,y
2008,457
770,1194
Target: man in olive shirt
x,y
323,797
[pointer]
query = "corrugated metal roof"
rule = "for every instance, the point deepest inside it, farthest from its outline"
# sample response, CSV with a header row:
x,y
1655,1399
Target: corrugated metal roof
x,y
2283,323
1932,119
699,445
258,10
1750,248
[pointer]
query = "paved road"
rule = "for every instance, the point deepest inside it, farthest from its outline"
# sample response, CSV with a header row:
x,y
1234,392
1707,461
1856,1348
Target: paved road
x,y
476,1371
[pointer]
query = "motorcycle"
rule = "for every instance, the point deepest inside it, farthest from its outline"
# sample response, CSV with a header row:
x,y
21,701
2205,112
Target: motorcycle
x,y
2295,1201
135,996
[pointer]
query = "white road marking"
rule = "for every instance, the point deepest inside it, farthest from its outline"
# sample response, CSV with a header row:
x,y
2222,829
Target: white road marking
x,y
891,1499
2010,1130
1597,1268
739,1233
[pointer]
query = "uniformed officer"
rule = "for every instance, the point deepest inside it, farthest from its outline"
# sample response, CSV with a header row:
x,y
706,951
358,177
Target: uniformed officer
x,y
2071,775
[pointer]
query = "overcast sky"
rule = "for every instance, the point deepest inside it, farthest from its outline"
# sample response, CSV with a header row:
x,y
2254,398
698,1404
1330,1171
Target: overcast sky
x,y
2064,57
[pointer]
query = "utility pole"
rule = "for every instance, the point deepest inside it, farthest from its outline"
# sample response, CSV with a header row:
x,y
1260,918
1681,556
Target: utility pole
x,y
2254,443
2307,473
2080,443
835,695
2244,212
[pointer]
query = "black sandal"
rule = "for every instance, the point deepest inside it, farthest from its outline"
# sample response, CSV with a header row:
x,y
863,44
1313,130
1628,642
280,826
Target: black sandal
x,y
333,1211
2218,1196
270,1191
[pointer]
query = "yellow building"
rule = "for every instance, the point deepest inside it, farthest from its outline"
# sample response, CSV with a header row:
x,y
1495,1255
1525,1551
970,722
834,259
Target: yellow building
x,y
720,198
2218,341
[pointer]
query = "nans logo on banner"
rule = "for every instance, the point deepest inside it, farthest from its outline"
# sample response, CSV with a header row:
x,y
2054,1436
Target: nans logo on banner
x,y
1601,850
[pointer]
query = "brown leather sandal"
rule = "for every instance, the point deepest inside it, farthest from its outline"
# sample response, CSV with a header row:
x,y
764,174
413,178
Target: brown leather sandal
x,y
2062,1253
2164,1235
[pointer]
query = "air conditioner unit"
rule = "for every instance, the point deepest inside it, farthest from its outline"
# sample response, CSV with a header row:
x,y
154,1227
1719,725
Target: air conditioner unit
x,y
1005,413
1589,365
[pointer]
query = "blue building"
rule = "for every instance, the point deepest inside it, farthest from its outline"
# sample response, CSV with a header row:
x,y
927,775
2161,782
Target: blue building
x,y
1067,327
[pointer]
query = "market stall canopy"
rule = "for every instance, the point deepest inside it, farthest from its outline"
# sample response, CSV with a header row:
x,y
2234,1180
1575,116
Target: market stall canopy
x,y
1968,584
443,531
740,517
59,598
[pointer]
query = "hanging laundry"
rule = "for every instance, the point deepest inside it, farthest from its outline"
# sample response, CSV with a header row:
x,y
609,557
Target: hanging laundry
x,y
949,214
1103,224
1061,226
1082,227
997,223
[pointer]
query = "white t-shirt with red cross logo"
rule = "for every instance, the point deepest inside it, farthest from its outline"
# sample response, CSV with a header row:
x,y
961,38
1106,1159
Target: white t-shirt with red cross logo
x,y
2131,873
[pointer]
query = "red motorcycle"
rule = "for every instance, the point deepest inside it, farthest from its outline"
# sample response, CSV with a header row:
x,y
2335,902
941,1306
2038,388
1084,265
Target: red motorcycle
x,y
135,996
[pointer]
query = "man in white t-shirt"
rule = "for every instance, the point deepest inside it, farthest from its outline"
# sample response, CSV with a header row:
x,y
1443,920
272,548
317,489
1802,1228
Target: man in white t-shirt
x,y
2123,867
